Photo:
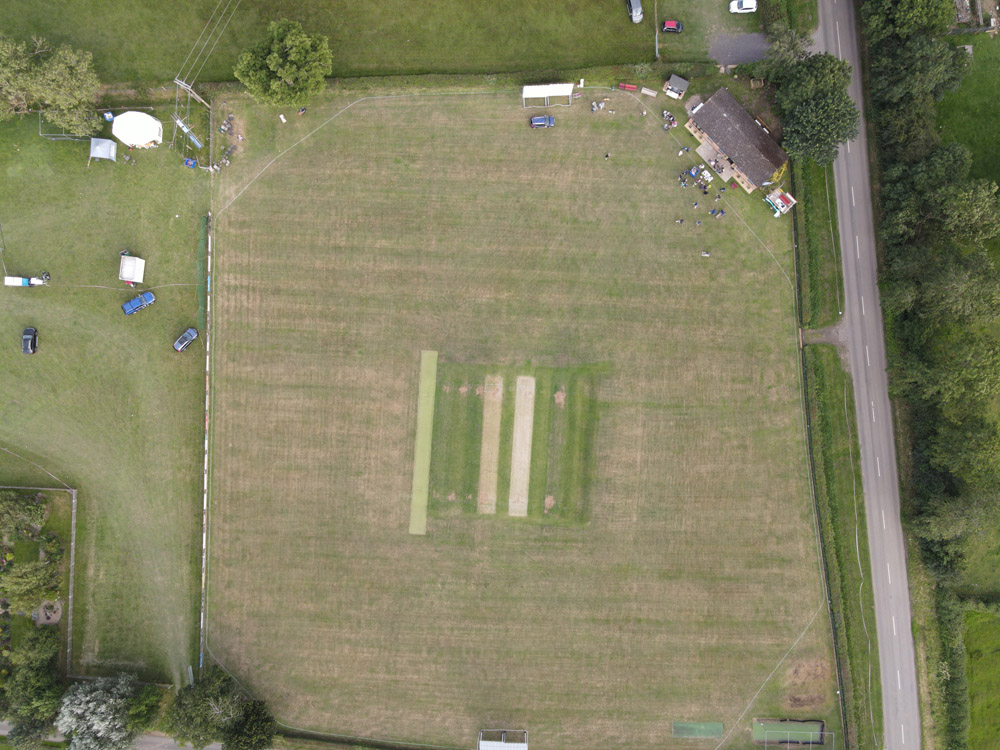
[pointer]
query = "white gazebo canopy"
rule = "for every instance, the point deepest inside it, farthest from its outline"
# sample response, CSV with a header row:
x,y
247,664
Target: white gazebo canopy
x,y
132,269
102,148
137,129
545,91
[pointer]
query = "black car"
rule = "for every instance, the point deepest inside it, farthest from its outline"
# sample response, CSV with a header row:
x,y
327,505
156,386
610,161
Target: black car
x,y
29,341
184,340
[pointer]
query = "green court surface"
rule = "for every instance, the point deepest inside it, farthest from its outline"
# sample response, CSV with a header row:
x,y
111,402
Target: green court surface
x,y
698,729
775,731
422,445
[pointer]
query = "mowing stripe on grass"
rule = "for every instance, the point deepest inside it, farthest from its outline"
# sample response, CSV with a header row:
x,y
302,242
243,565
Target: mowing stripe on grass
x,y
422,444
520,454
698,729
489,456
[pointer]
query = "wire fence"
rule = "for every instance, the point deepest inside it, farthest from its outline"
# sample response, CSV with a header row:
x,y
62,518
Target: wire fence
x,y
201,261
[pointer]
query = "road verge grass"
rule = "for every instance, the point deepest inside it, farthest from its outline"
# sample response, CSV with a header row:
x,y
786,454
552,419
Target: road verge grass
x,y
833,445
818,244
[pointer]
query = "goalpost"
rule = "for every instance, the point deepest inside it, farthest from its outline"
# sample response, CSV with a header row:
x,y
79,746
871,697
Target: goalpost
x,y
545,93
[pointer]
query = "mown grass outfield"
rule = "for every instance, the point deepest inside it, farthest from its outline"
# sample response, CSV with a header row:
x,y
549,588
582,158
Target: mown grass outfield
x,y
443,223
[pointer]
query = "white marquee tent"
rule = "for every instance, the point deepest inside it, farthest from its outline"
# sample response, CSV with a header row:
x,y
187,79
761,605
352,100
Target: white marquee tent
x,y
137,129
545,92
132,269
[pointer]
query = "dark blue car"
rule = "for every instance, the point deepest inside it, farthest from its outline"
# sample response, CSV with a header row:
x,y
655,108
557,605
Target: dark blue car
x,y
135,305
543,121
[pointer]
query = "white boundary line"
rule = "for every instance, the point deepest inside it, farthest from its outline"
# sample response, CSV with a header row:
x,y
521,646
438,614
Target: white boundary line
x,y
205,467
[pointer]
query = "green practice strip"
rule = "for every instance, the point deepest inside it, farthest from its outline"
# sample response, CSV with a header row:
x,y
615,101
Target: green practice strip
x,y
698,729
802,732
422,446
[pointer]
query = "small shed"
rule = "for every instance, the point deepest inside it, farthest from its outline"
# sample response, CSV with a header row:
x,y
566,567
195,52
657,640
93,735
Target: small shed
x,y
545,92
102,148
675,87
131,269
137,129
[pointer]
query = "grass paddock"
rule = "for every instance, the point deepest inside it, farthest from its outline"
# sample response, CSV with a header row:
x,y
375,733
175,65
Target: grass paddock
x,y
105,404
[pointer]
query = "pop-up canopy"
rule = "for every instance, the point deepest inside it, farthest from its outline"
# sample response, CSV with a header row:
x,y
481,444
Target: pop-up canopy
x,y
137,129
102,148
131,269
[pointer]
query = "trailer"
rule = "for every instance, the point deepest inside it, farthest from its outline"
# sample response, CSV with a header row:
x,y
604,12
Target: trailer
x,y
131,269
780,201
26,280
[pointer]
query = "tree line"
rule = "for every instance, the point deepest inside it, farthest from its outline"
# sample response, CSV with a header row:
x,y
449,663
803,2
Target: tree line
x,y
109,713
940,295
940,288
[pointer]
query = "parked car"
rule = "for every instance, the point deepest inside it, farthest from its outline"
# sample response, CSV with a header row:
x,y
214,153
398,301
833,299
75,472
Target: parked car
x,y
29,341
743,6
542,121
184,340
135,305
634,10
675,27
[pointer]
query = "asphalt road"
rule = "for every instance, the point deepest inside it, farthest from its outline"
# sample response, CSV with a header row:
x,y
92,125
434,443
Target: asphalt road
x,y
864,337
143,742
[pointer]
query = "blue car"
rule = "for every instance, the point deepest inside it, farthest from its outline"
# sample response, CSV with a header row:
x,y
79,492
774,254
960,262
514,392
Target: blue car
x,y
543,121
135,305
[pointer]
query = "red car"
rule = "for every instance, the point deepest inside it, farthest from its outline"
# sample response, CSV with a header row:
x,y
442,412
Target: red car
x,y
672,26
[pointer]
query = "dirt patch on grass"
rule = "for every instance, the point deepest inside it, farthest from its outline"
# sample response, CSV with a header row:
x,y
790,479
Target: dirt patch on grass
x,y
807,671
520,459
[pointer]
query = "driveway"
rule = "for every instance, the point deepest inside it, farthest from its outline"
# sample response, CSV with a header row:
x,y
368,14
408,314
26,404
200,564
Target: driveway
x,y
732,49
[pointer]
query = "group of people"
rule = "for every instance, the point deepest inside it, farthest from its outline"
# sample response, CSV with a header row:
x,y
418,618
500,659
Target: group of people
x,y
701,185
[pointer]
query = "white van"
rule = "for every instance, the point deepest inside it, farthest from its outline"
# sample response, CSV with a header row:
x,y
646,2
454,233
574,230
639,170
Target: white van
x,y
634,10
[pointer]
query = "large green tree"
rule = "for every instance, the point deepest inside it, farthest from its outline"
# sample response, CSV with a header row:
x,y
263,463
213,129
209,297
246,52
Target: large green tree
x,y
18,512
917,66
287,67
14,79
27,584
200,713
904,18
816,110
95,715
33,692
970,212
252,729
67,86
61,82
